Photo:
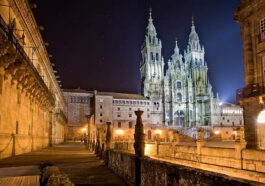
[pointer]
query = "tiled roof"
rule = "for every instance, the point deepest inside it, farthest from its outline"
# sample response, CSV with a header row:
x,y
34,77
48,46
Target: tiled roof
x,y
114,94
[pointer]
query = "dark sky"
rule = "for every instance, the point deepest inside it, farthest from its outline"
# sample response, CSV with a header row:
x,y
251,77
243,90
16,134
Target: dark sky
x,y
96,43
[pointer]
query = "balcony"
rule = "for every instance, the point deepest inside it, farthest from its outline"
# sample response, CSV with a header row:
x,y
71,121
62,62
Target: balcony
x,y
25,61
250,91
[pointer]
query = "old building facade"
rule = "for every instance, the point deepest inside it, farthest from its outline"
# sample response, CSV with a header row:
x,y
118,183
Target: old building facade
x,y
32,106
182,97
251,16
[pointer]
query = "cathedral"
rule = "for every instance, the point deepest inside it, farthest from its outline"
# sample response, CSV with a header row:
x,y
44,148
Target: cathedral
x,y
182,97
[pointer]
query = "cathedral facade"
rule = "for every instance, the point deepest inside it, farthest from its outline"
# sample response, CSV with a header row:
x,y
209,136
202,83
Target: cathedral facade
x,y
183,96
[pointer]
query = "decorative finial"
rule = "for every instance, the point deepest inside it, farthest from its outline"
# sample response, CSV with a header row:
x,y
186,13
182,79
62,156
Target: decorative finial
x,y
150,13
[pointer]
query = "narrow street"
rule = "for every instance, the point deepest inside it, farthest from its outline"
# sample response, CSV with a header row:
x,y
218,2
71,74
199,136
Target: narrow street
x,y
82,167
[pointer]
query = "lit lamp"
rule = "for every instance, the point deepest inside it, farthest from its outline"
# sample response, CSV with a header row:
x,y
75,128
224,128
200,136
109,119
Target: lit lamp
x,y
83,130
217,132
119,132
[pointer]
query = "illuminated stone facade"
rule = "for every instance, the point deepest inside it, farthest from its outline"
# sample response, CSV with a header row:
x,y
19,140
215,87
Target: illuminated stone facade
x,y
251,16
32,106
182,97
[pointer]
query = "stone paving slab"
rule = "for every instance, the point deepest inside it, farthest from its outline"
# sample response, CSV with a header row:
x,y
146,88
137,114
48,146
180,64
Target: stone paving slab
x,y
20,181
81,166
19,171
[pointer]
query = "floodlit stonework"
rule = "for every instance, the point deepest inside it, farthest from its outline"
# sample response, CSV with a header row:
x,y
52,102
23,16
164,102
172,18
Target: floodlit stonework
x,y
182,97
251,16
32,106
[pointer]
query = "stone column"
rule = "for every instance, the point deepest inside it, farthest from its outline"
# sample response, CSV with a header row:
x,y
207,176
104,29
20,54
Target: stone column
x,y
139,146
139,136
240,144
200,142
108,136
89,144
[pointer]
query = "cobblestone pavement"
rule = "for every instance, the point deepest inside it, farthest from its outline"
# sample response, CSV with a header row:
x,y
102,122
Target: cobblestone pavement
x,y
82,167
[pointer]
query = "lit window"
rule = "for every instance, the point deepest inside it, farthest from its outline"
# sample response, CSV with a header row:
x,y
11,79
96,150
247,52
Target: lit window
x,y
261,117
179,97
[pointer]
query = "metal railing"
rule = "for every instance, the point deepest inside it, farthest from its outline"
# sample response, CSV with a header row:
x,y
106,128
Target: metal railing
x,y
8,33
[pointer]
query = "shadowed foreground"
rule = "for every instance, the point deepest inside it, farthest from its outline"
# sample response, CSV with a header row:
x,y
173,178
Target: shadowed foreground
x,y
73,159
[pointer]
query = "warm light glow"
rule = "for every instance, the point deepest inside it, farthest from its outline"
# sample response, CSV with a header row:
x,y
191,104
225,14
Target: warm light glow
x,y
83,129
261,117
147,149
119,131
220,103
217,132
158,131
235,132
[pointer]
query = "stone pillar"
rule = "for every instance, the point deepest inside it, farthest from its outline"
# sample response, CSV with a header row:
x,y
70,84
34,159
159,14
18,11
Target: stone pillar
x,y
200,142
89,143
108,136
139,146
240,144
139,136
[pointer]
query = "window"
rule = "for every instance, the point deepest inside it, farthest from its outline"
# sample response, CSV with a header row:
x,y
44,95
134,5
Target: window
x,y
101,114
190,114
179,97
262,30
240,122
139,109
130,115
130,124
233,123
190,98
130,109
157,56
223,118
118,108
119,124
178,85
148,109
148,116
127,102
228,120
100,121
221,124
119,115
100,106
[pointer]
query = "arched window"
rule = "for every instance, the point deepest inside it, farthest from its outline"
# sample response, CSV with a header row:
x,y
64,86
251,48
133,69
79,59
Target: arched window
x,y
179,97
176,118
178,85
157,56
190,114
261,117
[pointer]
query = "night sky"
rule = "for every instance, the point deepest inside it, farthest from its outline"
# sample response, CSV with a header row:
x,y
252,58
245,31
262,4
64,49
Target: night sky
x,y
96,43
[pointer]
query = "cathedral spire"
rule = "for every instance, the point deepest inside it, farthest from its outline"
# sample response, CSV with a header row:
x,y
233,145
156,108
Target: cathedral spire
x,y
151,28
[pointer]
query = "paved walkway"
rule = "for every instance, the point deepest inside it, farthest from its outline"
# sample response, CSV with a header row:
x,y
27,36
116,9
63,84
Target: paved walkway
x,y
82,167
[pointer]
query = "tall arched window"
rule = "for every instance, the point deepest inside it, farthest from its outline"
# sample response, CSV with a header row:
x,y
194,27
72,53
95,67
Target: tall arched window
x,y
179,97
182,118
178,85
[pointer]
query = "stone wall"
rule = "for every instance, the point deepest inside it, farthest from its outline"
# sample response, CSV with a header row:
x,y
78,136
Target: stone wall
x,y
32,111
155,172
